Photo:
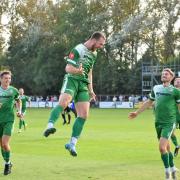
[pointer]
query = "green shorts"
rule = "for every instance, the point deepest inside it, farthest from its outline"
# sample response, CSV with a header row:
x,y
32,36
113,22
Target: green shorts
x,y
6,128
76,88
164,130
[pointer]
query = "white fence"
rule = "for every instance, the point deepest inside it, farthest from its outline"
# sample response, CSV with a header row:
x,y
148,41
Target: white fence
x,y
43,104
115,104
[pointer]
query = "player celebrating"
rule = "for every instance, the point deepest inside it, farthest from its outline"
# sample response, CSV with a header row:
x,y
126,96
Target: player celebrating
x,y
166,98
67,110
8,96
24,99
77,85
173,136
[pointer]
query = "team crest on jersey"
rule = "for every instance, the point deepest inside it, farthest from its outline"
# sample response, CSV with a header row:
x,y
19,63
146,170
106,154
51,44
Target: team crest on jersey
x,y
71,56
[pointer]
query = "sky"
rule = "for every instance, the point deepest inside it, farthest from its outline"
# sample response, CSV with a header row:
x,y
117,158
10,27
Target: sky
x,y
5,33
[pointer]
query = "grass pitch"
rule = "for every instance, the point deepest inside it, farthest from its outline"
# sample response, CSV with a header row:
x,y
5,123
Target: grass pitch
x,y
111,147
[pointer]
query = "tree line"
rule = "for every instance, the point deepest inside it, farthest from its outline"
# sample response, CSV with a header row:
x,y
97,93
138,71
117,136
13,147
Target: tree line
x,y
42,32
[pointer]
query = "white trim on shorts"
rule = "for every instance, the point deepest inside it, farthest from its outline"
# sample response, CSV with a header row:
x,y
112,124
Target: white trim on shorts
x,y
174,127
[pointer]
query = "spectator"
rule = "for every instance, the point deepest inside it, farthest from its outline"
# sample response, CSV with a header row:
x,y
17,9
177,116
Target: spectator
x,y
114,100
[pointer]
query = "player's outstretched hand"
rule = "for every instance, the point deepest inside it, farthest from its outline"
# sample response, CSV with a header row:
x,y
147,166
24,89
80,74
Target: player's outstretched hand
x,y
92,96
19,115
132,115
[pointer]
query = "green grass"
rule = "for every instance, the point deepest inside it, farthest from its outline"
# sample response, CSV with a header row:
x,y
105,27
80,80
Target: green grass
x,y
111,148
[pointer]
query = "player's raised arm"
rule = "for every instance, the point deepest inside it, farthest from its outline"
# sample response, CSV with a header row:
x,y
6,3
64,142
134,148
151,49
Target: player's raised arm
x,y
145,105
74,70
74,66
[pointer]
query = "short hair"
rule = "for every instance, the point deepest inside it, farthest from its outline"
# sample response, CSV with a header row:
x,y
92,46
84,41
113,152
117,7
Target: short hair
x,y
97,35
170,71
4,72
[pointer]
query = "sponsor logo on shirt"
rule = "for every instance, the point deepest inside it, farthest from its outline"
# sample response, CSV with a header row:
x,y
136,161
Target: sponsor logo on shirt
x,y
162,94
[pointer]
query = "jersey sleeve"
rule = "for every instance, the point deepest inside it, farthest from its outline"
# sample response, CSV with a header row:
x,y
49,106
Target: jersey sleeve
x,y
73,58
177,96
28,98
152,95
16,94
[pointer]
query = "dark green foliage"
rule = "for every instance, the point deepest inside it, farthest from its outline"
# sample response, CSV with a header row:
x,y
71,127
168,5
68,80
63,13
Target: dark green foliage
x,y
43,34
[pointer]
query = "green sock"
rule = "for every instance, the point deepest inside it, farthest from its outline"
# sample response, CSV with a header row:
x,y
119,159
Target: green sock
x,y
55,113
6,156
20,123
165,159
77,127
24,124
171,163
2,152
174,140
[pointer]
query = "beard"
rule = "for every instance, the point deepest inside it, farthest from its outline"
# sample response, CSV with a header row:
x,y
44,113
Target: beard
x,y
164,80
93,48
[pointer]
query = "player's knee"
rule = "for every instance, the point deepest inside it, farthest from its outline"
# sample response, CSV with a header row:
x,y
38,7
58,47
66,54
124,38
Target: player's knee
x,y
162,149
5,146
63,104
83,115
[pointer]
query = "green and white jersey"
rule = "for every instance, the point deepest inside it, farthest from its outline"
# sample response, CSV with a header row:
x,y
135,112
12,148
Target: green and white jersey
x,y
24,99
80,54
166,100
177,115
7,101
